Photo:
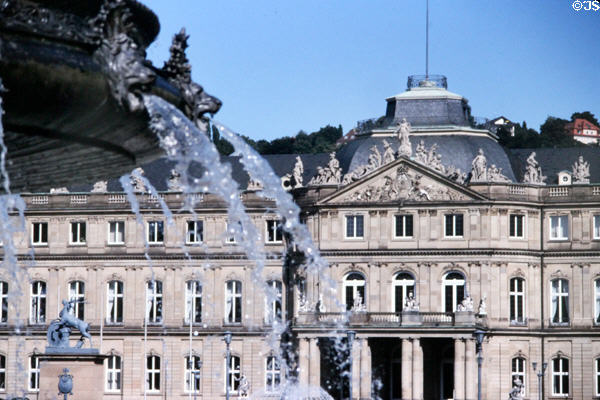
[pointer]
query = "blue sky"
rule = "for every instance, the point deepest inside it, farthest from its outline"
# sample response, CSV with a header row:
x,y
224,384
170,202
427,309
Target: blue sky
x,y
281,66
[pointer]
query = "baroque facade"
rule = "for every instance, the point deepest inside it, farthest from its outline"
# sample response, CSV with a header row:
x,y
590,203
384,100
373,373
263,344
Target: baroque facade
x,y
431,229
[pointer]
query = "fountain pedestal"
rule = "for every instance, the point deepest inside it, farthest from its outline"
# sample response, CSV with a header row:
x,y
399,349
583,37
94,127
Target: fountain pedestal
x,y
86,366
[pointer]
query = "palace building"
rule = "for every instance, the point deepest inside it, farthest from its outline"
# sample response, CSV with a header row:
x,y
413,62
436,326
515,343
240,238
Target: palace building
x,y
433,231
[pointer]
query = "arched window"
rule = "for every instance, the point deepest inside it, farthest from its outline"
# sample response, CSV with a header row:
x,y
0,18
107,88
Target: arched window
x,y
77,294
233,302
597,302
233,379
4,299
453,290
517,371
404,286
2,372
37,309
152,374
560,376
114,302
154,302
272,374
354,290
113,373
193,302
517,300
192,374
560,301
273,302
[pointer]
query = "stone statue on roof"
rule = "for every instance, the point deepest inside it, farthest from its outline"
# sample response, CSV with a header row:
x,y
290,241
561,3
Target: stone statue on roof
x,y
297,172
403,131
100,187
421,153
494,174
581,171
533,171
479,168
329,175
388,153
174,182
136,181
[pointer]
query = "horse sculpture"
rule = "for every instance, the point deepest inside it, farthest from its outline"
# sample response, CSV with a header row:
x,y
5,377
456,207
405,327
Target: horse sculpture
x,y
60,329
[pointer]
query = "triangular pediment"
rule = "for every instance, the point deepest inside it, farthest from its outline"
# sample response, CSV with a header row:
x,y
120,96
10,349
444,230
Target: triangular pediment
x,y
399,181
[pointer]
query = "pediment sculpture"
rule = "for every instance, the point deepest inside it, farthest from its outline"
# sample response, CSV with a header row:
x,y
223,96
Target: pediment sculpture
x,y
375,161
329,175
403,130
432,159
403,185
533,171
581,171
100,187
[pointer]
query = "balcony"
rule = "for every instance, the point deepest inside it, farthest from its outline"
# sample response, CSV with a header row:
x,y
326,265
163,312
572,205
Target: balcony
x,y
391,319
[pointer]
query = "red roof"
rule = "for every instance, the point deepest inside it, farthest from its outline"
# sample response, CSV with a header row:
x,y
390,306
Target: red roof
x,y
575,127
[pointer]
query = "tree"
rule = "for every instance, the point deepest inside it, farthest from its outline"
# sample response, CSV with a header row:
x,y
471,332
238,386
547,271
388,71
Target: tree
x,y
588,116
553,133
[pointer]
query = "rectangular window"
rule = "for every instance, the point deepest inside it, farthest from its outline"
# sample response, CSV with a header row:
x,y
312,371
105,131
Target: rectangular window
x,y
233,302
114,302
194,232
517,301
37,310
274,233
273,305
192,374
152,374
404,226
39,233
559,227
560,301
193,302
77,296
4,299
518,371
77,232
355,226
113,374
232,231
596,226
155,232
516,228
272,375
560,377
34,374
154,302
454,225
597,373
2,373
116,232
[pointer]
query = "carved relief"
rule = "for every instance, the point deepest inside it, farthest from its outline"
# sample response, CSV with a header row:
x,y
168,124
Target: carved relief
x,y
432,159
330,175
375,161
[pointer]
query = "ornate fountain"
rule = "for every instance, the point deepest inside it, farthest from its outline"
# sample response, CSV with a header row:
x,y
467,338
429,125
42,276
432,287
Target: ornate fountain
x,y
73,75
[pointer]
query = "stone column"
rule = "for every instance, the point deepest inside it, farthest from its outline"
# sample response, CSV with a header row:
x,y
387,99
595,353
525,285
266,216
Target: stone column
x,y
303,355
365,369
356,362
417,370
459,369
314,374
406,369
470,370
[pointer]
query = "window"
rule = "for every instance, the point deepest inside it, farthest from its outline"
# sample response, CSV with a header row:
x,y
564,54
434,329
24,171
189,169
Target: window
x,y
152,374
39,233
156,232
192,374
274,233
113,374
116,232
154,302
404,226
273,302
454,290
233,380
195,232
272,375
355,226
233,302
518,371
37,312
4,298
193,302
517,300
560,376
232,231
77,293
454,225
404,286
596,226
354,290
516,223
560,301
114,302
2,373
559,227
77,232
34,374
597,373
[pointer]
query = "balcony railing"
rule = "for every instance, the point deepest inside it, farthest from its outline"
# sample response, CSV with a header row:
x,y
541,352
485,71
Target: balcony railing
x,y
390,319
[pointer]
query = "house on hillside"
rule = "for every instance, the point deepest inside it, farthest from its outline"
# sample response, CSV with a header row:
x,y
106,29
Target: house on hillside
x,y
583,131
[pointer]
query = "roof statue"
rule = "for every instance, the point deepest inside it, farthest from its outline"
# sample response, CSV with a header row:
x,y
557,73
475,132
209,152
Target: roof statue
x,y
466,304
533,172
136,180
494,174
479,168
403,130
329,175
482,306
581,171
174,182
421,153
375,161
59,190
60,329
297,172
388,153
254,184
100,187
